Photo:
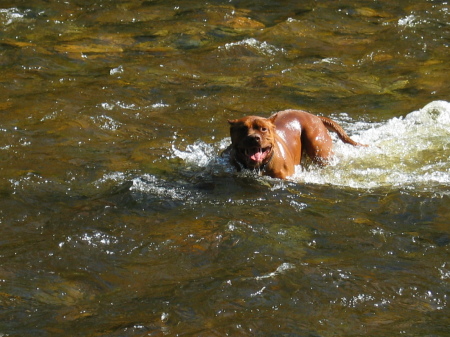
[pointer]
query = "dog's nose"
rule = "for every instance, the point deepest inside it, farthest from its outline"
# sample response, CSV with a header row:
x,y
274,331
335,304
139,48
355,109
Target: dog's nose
x,y
252,140
256,137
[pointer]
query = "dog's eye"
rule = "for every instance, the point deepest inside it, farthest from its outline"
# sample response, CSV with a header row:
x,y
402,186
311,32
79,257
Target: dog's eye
x,y
264,129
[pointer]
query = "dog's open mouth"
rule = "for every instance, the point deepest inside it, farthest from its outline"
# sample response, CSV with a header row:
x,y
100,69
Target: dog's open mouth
x,y
257,154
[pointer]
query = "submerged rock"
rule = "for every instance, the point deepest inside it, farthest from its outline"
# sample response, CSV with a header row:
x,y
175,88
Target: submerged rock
x,y
243,23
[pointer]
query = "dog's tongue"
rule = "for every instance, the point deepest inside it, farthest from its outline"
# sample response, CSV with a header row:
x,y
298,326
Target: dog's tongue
x,y
258,155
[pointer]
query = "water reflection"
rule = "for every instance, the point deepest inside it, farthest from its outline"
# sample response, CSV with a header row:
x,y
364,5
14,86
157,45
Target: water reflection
x,y
118,217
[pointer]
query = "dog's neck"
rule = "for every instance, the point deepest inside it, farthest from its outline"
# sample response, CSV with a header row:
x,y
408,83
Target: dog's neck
x,y
278,168
263,167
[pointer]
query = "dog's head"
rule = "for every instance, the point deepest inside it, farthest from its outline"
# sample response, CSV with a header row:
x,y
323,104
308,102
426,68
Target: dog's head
x,y
252,139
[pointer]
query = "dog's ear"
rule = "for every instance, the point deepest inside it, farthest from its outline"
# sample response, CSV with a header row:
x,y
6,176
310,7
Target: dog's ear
x,y
232,121
273,117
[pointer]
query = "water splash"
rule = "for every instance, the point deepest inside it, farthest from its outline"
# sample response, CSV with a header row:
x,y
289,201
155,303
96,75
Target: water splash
x,y
153,186
261,47
410,152
199,153
11,15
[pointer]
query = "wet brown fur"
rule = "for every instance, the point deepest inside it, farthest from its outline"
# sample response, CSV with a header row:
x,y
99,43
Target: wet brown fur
x,y
275,145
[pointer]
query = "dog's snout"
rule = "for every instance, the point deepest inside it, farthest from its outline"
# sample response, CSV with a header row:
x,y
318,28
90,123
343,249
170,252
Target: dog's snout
x,y
254,139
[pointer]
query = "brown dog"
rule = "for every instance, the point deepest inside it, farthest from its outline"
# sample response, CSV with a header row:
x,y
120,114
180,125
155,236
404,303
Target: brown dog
x,y
275,145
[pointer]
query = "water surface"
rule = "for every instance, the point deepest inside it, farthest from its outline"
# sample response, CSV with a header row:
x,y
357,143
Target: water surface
x,y
118,217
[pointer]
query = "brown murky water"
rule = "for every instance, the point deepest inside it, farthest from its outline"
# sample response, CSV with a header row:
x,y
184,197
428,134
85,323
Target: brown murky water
x,y
118,217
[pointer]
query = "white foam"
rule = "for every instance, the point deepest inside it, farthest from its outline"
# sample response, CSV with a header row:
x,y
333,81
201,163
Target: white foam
x,y
152,185
198,154
404,152
118,70
11,15
263,47
106,122
408,21
280,270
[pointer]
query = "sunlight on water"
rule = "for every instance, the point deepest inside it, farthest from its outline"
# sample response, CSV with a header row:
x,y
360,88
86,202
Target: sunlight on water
x,y
151,185
201,154
262,47
409,152
10,15
120,217
198,153
405,152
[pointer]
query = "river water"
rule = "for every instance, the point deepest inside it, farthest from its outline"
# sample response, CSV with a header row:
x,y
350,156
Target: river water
x,y
118,217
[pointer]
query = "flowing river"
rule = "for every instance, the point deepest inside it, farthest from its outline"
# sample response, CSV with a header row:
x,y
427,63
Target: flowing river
x,y
119,217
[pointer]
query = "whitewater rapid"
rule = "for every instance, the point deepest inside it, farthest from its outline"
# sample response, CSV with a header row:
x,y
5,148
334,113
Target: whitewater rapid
x,y
411,152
